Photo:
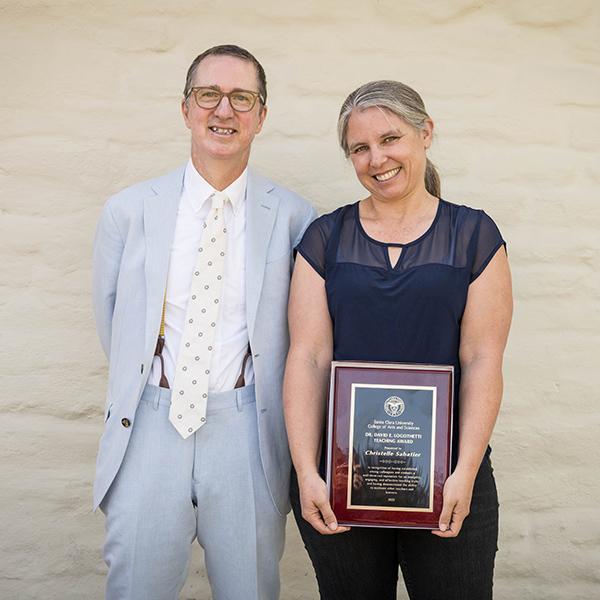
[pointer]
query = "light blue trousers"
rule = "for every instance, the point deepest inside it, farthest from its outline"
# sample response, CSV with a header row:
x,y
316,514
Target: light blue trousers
x,y
211,486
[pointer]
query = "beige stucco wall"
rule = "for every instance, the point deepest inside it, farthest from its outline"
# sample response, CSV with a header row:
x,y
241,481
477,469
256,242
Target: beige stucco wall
x,y
90,104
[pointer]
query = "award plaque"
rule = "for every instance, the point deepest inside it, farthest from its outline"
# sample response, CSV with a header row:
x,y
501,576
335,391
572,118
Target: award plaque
x,y
389,440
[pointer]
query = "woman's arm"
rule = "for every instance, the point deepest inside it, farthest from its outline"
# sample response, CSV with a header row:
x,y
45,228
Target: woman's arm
x,y
305,388
484,331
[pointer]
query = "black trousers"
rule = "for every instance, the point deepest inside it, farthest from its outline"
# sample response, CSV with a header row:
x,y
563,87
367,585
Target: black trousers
x,y
362,564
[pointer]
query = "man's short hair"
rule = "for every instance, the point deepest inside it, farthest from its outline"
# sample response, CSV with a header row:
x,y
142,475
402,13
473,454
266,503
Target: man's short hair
x,y
227,50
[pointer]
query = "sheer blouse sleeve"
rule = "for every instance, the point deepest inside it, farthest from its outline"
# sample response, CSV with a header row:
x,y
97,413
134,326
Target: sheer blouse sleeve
x,y
487,241
313,244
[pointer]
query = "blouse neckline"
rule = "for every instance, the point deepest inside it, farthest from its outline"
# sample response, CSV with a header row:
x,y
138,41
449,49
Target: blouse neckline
x,y
396,244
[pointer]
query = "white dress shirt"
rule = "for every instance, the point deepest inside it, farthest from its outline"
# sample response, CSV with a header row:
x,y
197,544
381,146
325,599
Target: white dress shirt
x,y
231,335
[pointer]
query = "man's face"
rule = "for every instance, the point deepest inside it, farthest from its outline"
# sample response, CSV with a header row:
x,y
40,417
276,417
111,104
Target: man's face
x,y
221,133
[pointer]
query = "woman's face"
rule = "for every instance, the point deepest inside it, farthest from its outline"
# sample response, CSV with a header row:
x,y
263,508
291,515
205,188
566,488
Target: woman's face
x,y
387,153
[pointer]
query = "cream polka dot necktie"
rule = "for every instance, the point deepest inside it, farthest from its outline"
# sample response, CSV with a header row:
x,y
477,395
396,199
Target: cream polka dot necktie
x,y
190,385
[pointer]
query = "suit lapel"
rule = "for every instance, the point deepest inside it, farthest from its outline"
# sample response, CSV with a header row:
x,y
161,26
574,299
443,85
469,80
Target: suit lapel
x,y
160,215
261,211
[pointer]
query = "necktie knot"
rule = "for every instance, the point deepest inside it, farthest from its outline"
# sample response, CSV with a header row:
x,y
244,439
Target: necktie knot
x,y
218,200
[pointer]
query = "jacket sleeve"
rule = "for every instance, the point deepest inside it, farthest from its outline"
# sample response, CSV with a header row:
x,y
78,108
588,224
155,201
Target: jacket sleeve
x,y
309,215
108,249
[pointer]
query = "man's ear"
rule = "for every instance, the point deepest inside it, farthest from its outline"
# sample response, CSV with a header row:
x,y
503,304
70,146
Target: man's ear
x,y
262,115
185,112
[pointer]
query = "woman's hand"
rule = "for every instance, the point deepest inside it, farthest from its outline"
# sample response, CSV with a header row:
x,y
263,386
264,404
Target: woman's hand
x,y
316,509
458,490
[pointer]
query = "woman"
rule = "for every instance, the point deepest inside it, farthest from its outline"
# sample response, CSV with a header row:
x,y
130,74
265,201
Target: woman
x,y
401,276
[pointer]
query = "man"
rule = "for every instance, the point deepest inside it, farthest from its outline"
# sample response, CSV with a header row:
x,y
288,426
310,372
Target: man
x,y
191,278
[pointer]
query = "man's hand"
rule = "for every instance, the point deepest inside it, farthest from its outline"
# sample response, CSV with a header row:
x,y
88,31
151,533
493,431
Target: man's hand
x,y
315,505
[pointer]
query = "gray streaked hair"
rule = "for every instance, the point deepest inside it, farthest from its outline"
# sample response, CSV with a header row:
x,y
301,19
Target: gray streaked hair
x,y
399,99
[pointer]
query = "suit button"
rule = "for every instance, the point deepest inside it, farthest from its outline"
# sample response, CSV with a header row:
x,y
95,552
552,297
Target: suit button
x,y
125,422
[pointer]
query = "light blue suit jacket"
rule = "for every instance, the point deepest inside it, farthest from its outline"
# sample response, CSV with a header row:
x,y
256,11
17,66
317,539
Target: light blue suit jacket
x,y
131,259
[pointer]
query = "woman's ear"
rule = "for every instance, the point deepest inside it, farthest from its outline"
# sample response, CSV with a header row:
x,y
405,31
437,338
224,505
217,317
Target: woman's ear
x,y
427,132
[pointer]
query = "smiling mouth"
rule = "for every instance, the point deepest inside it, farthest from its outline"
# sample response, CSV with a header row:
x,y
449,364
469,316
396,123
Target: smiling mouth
x,y
222,130
387,175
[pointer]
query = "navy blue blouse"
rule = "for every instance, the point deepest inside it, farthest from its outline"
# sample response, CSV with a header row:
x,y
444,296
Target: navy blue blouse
x,y
410,312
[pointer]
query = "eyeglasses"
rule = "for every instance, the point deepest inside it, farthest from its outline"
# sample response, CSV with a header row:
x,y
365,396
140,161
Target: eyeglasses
x,y
240,100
